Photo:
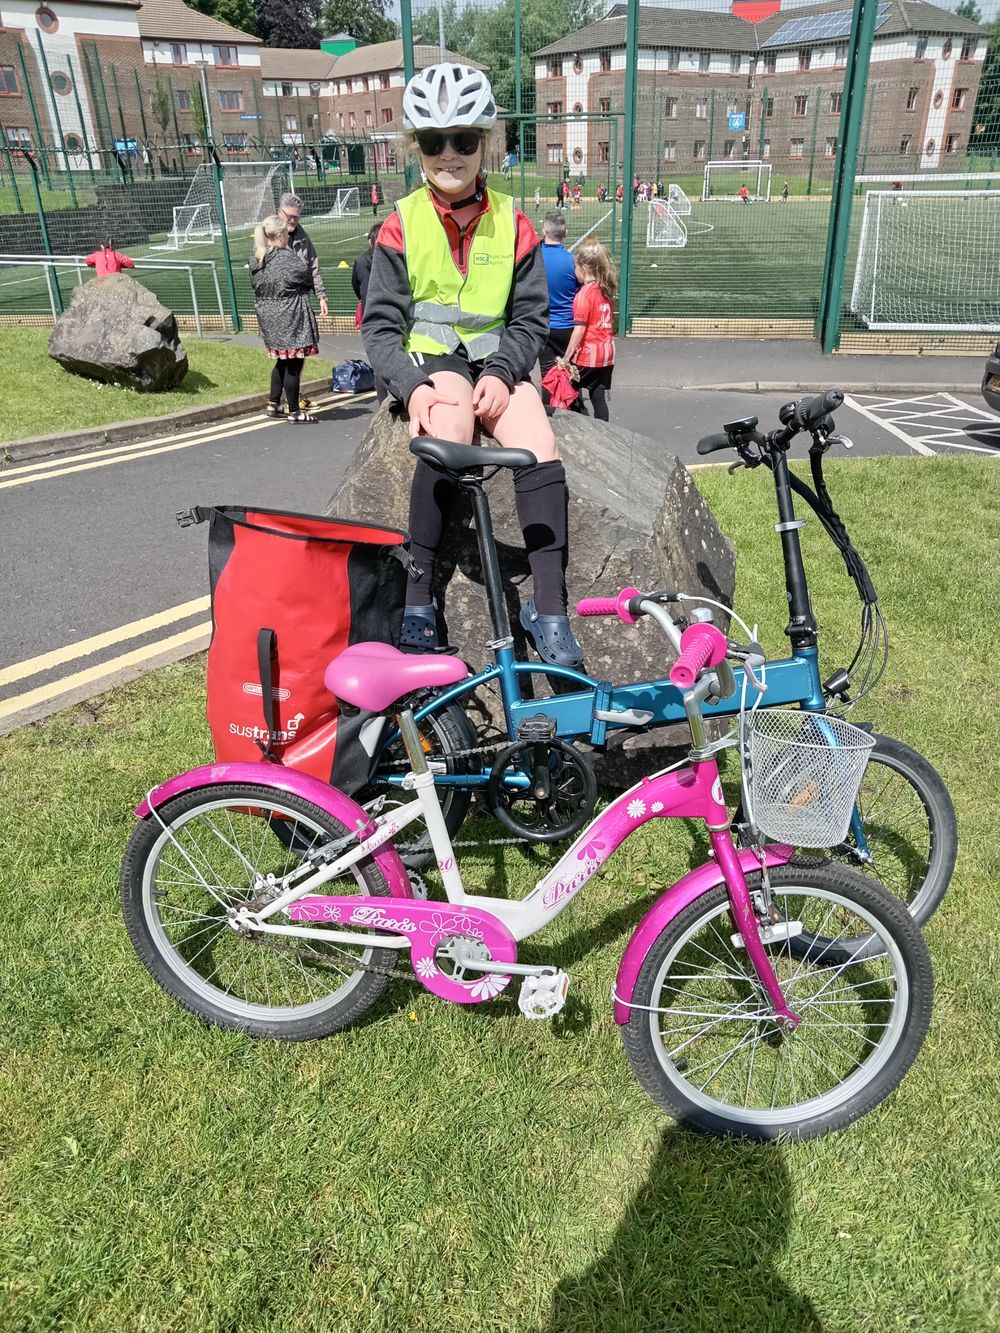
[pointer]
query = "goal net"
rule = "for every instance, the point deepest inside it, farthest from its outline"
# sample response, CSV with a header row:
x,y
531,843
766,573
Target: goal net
x,y
348,204
678,200
250,192
723,180
664,229
929,259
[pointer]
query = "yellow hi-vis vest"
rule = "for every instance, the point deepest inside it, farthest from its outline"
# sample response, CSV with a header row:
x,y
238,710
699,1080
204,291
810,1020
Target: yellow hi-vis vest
x,y
448,309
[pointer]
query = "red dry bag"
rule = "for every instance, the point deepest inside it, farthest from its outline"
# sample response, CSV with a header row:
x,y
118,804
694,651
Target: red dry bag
x,y
289,593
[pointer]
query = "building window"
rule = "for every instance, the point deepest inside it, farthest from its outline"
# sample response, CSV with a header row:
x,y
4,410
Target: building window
x,y
291,123
951,143
383,80
670,150
183,99
604,104
577,154
554,154
225,55
46,20
904,145
602,150
946,49
309,120
670,108
770,106
352,120
73,143
190,143
767,149
704,61
8,81
729,148
840,55
701,109
938,99
578,65
178,53
230,99
236,143
61,82
805,57
673,60
735,62
605,56
369,120
830,147
770,61
921,48
800,104
931,145
340,116
387,115
577,108
958,99
699,150
969,48
364,84
911,99
554,108
314,89
18,136
796,147
836,100
555,69
732,107
287,90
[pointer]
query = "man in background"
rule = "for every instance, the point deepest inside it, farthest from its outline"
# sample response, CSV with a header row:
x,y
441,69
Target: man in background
x,y
560,272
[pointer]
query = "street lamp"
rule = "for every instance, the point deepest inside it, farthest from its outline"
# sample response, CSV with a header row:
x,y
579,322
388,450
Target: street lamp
x,y
202,66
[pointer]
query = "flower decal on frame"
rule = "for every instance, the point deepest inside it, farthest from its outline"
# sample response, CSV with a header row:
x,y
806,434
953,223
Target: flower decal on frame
x,y
636,809
488,986
426,968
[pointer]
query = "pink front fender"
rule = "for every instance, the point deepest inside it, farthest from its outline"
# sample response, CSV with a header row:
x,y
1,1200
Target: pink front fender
x,y
663,911
293,782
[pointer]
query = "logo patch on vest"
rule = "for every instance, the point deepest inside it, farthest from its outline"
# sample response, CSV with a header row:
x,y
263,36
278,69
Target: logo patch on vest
x,y
482,258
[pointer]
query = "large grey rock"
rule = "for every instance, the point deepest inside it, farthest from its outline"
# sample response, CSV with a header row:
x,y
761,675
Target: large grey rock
x,y
635,518
115,330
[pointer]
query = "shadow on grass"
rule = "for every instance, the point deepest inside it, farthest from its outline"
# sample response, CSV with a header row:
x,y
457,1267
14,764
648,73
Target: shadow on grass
x,y
695,1250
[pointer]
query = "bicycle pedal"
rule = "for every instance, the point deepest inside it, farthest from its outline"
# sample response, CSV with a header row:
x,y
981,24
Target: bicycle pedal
x,y
544,994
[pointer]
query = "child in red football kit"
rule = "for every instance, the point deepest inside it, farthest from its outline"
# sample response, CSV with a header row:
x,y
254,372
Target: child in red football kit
x,y
592,342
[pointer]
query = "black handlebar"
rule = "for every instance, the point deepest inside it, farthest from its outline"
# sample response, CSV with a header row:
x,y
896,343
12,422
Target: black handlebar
x,y
710,443
811,414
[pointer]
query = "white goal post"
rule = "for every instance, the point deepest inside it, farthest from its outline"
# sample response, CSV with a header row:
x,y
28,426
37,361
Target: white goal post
x,y
678,201
250,192
929,260
192,225
751,172
664,229
348,203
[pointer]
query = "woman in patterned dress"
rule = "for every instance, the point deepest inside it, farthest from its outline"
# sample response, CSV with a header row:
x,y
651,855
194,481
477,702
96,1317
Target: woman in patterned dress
x,y
281,285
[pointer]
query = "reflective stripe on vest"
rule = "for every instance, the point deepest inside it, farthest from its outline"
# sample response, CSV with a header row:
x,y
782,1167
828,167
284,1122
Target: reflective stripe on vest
x,y
450,310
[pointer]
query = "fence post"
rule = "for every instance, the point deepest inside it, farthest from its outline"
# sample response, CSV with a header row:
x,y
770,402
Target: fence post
x,y
56,121
83,123
39,137
46,243
226,255
10,168
812,149
628,165
411,172
851,115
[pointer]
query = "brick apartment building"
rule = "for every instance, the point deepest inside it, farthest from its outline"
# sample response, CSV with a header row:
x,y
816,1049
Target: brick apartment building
x,y
717,86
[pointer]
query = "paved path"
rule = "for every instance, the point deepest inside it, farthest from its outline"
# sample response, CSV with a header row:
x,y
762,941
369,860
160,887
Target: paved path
x,y
99,584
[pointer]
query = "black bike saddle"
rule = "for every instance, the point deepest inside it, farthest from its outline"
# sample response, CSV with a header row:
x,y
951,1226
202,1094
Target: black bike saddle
x,y
462,457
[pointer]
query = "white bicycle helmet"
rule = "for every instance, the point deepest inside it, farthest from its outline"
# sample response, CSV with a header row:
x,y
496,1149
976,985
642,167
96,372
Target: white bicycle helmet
x,y
447,96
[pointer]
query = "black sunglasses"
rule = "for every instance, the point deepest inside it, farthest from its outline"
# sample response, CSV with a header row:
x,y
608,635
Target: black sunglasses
x,y
432,142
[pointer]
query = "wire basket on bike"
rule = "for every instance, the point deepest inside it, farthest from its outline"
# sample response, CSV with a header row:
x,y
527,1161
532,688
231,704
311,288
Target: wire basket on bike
x,y
805,771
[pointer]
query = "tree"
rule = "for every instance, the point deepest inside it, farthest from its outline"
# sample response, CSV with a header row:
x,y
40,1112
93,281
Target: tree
x,y
237,13
985,137
364,20
968,9
160,104
288,23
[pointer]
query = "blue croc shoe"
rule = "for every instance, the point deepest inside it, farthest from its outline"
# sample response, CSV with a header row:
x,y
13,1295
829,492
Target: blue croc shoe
x,y
419,632
554,640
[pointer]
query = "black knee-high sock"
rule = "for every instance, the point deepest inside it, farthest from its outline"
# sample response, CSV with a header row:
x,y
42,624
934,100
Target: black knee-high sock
x,y
599,399
293,374
277,380
432,496
540,493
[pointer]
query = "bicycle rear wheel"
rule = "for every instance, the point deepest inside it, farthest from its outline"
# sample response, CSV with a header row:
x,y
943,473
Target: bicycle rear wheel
x,y
216,849
702,1038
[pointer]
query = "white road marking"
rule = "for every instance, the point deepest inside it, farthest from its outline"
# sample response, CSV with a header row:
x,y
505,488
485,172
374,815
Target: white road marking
x,y
928,423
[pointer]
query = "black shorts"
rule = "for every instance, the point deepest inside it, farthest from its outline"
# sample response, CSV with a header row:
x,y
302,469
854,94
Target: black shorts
x,y
456,362
595,377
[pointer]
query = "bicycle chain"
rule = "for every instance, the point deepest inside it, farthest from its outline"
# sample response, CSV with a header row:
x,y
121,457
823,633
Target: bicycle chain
x,y
314,956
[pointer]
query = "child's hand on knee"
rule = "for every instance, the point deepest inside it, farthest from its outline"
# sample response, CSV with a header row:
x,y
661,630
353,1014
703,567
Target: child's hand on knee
x,y
422,400
490,397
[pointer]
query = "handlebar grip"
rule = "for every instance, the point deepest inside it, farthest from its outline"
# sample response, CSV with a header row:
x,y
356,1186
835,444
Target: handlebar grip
x,y
701,646
610,606
811,411
708,444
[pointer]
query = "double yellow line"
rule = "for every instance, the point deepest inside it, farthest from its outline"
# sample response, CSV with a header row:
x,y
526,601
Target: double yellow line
x,y
66,464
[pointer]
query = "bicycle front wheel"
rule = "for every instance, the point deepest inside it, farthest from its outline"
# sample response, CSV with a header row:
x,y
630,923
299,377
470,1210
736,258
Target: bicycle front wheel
x,y
702,1037
216,849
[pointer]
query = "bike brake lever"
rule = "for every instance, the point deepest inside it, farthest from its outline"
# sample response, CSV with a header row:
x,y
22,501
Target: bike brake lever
x,y
733,466
751,661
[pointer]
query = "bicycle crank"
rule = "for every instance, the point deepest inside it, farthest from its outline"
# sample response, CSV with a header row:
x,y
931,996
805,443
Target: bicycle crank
x,y
541,788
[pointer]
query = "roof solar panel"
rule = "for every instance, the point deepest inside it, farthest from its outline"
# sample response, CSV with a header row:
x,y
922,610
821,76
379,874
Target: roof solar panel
x,y
816,27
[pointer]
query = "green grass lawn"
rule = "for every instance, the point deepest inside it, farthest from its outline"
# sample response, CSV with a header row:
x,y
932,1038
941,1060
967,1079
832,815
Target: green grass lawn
x,y
447,1170
40,397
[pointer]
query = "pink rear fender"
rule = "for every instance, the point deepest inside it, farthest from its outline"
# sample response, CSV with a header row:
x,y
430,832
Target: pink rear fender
x,y
291,781
671,904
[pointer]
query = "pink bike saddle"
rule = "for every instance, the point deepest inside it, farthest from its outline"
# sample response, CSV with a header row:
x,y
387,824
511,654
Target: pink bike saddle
x,y
374,675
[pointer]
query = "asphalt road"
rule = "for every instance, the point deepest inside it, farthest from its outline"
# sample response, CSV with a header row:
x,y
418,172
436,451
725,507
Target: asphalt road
x,y
99,583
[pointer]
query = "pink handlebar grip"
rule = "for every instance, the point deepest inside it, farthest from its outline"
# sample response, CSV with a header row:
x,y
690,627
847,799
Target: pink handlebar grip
x,y
701,646
609,606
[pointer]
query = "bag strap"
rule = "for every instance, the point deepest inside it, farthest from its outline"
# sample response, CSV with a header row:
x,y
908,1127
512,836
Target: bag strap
x,y
267,651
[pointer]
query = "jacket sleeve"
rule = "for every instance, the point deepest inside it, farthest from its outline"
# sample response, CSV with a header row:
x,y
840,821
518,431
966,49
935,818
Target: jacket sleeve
x,y
527,321
385,323
356,278
312,259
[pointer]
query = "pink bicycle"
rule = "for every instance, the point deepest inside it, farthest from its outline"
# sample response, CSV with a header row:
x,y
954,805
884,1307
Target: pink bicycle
x,y
756,998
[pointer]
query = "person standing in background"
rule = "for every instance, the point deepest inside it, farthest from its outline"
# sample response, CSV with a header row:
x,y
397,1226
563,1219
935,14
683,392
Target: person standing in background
x,y
281,282
560,274
592,342
376,200
290,209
